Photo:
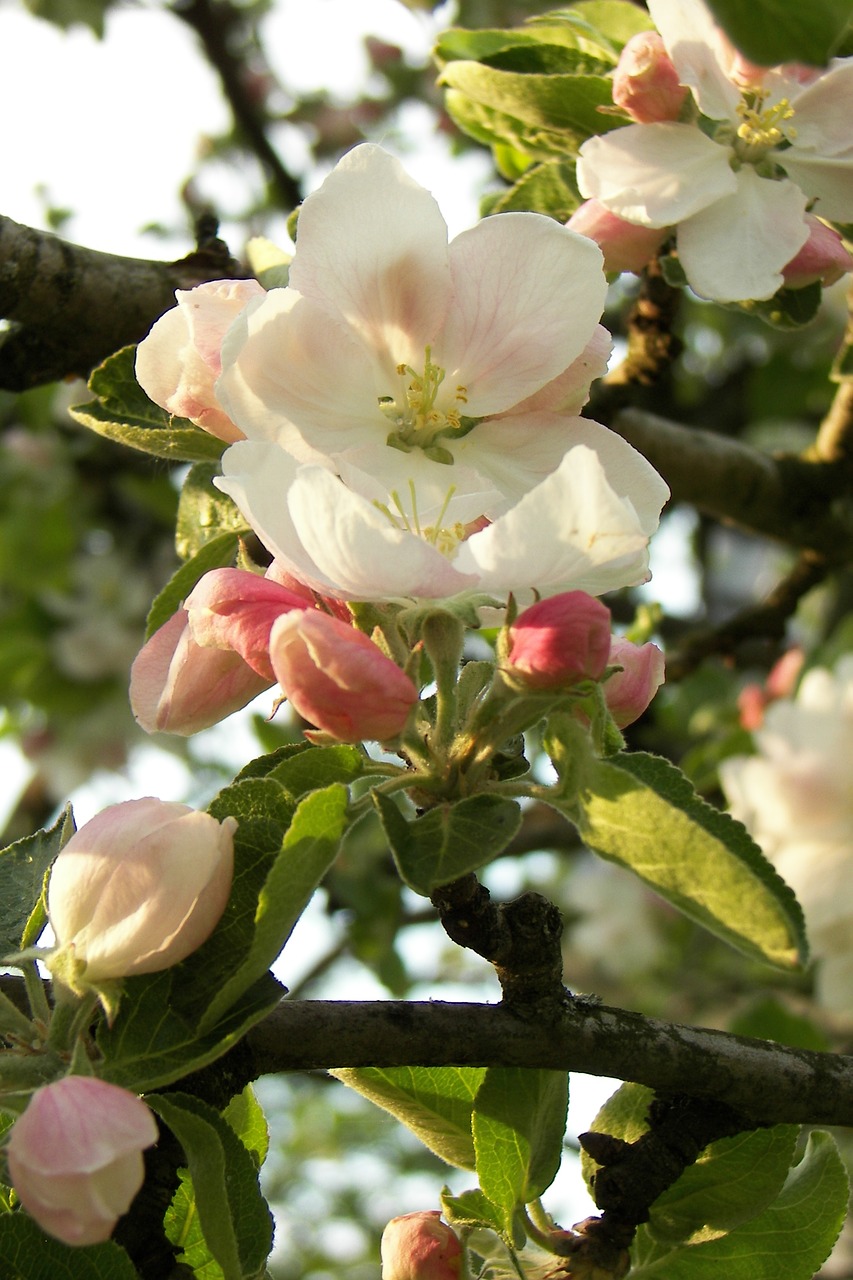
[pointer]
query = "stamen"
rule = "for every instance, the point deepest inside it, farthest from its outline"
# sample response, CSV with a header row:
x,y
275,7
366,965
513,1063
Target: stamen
x,y
761,128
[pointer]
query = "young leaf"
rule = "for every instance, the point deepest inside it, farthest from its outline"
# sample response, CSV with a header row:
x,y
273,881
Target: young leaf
x,y
518,1125
774,31
787,1241
317,767
471,1209
204,513
448,841
234,1217
218,553
23,868
26,1253
436,1103
122,411
641,811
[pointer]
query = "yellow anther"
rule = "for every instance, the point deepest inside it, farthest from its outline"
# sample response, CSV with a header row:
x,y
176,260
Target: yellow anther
x,y
761,128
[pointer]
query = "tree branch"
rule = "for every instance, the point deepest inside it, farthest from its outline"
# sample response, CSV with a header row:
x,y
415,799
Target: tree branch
x,y
71,307
767,1082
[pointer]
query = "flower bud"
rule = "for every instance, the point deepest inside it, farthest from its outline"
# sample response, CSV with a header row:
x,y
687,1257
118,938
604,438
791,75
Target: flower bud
x,y
137,889
822,258
626,246
419,1246
645,82
339,679
560,641
179,362
235,609
75,1156
179,686
628,692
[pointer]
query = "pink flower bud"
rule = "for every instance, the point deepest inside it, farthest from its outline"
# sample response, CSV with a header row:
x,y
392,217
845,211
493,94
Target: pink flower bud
x,y
339,679
75,1156
234,609
628,692
419,1246
138,889
560,641
625,245
179,362
645,82
823,257
754,699
178,686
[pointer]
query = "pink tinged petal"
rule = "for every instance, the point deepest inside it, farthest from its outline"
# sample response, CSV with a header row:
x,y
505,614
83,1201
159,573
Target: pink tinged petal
x,y
823,257
626,245
292,372
569,391
372,247
176,686
235,609
655,174
823,111
339,680
75,1156
736,249
827,181
628,692
570,532
527,297
702,55
645,82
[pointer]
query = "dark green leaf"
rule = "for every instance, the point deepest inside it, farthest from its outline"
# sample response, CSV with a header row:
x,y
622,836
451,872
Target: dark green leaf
x,y
123,412
318,767
450,840
548,188
23,868
26,1253
774,31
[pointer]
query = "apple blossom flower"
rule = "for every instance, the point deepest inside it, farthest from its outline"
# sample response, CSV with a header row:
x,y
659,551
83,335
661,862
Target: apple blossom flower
x,y
645,82
422,364
137,889
336,677
179,361
560,641
629,692
585,526
75,1156
737,184
626,245
419,1246
796,797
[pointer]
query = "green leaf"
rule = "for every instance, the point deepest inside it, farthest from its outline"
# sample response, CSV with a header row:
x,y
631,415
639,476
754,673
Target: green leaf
x,y
450,840
308,850
318,767
234,1217
26,1253
204,513
23,870
548,188
774,31
123,412
246,1117
218,553
518,1125
787,309
642,812
787,1241
471,1209
436,1103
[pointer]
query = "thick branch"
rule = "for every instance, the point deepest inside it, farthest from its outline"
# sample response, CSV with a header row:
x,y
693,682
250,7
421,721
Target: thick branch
x,y
767,1082
71,307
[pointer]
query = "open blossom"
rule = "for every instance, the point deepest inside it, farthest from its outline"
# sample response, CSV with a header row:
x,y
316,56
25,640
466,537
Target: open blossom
x,y
136,889
586,527
796,797
179,362
773,143
420,363
75,1156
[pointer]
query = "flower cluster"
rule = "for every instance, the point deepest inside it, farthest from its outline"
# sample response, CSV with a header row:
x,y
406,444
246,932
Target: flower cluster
x,y
406,425
739,171
796,797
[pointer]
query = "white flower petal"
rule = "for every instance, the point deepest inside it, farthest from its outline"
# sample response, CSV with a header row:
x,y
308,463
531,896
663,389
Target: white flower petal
x,y
829,180
372,245
701,54
823,112
528,294
441,492
655,174
736,249
569,391
288,363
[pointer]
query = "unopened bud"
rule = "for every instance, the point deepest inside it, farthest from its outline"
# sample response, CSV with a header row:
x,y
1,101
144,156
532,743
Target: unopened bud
x,y
419,1246
822,258
626,245
628,692
645,82
560,641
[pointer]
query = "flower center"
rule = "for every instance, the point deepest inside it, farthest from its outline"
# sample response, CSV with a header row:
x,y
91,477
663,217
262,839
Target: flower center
x,y
444,537
418,420
761,127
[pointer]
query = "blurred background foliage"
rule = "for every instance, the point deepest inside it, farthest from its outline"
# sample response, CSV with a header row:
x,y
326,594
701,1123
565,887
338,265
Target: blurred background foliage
x,y
87,539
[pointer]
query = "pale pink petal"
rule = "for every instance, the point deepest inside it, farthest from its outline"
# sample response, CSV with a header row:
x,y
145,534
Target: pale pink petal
x,y
372,245
823,111
702,55
736,249
625,245
569,391
528,294
655,174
